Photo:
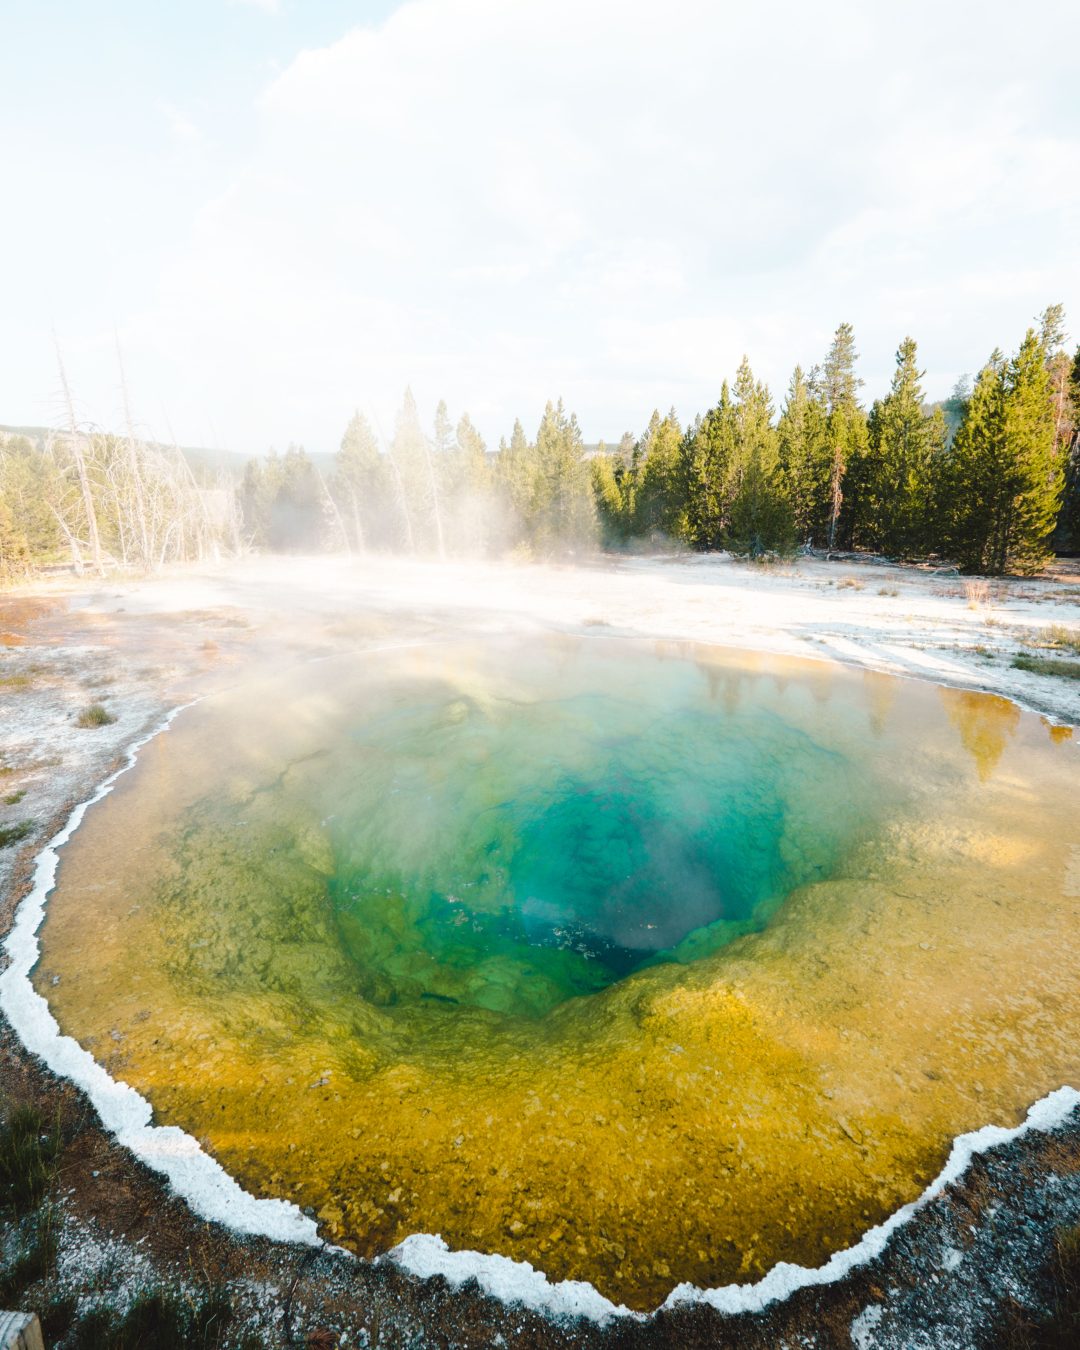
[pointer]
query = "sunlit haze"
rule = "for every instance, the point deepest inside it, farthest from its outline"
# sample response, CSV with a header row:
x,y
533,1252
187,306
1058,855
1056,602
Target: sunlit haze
x,y
290,210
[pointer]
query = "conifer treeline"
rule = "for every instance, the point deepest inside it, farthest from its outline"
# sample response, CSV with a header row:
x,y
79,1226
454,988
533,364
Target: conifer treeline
x,y
439,494
995,491
989,479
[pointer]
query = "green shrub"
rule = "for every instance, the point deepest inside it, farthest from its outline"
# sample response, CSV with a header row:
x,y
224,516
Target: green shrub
x,y
32,1262
11,834
28,1155
1058,1329
1046,665
161,1319
56,1317
97,715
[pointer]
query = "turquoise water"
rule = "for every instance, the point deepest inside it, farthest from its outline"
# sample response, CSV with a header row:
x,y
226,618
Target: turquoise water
x,y
560,828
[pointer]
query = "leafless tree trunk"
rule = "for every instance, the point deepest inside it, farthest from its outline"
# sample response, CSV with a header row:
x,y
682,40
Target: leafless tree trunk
x,y
333,509
134,469
837,494
402,499
435,498
72,542
79,456
357,524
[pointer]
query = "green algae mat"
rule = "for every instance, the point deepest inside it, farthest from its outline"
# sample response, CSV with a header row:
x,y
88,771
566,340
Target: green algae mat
x,y
643,962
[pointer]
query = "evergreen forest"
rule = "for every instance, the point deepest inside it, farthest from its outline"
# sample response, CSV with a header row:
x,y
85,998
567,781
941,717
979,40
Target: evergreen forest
x,y
988,480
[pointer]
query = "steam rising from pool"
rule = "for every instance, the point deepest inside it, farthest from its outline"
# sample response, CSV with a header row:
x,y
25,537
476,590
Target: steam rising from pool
x,y
645,963
549,822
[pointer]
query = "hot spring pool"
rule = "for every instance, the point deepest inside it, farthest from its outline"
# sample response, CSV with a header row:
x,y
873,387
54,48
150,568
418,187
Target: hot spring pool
x,y
642,962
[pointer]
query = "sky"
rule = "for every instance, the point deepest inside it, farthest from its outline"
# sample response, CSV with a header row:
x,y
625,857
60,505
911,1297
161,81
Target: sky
x,y
283,210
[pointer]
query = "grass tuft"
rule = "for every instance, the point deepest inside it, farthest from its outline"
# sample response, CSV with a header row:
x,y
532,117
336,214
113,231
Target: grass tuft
x,y
1046,665
32,1262
1059,1328
56,1317
160,1319
28,1153
97,715
1059,638
11,834
978,593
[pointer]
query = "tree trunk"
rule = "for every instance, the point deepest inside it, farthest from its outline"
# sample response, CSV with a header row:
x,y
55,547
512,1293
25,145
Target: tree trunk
x,y
80,468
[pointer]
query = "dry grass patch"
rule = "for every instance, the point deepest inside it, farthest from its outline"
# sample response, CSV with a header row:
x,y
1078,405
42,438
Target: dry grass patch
x,y
977,593
1059,638
97,715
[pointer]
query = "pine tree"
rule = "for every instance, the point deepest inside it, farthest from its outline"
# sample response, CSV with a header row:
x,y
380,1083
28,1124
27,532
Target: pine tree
x,y
1060,370
516,485
563,515
803,454
444,431
905,444
258,491
29,481
1005,474
1036,456
759,515
472,451
975,495
360,485
296,513
611,483
709,453
659,503
1064,373
471,525
14,550
1067,534
846,438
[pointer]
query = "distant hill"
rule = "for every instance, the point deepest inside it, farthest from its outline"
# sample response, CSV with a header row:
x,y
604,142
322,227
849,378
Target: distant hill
x,y
212,461
35,434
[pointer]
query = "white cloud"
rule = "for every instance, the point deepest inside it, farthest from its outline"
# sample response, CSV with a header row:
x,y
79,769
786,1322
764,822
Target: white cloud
x,y
183,129
505,202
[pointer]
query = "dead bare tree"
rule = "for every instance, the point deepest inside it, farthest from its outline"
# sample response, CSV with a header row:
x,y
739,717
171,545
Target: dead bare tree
x,y
134,468
78,454
436,505
330,509
399,483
